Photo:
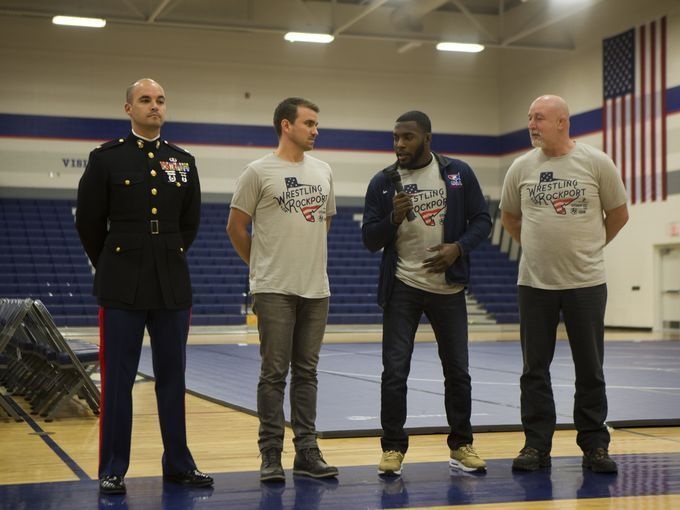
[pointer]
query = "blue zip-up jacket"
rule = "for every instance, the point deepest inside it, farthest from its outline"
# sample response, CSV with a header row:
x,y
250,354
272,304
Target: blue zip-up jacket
x,y
467,221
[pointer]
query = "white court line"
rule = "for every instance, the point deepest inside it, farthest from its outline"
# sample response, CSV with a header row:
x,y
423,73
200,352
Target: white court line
x,y
414,379
349,374
408,417
661,388
336,354
493,383
626,367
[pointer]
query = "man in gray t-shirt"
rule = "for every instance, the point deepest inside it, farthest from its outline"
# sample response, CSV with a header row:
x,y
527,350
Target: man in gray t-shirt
x,y
563,202
288,198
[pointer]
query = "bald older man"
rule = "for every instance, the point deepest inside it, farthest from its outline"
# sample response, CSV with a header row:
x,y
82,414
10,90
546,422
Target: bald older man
x,y
563,202
139,204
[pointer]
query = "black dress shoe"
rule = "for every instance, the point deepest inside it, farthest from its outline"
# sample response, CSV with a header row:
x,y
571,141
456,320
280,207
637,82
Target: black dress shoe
x,y
191,478
111,484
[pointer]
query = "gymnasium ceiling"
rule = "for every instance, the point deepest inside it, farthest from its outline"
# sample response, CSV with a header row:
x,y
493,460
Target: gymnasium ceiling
x,y
506,24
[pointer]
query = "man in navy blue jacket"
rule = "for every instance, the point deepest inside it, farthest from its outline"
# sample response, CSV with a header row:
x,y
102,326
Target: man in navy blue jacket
x,y
424,269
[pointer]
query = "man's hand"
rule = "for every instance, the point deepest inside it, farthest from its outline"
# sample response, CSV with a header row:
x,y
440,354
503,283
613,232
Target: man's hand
x,y
402,205
446,255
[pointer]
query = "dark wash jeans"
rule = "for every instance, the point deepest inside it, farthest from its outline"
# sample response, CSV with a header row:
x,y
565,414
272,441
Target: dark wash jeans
x,y
448,316
583,313
291,330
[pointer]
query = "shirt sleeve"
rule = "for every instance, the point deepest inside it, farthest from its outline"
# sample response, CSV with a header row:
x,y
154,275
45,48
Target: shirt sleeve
x,y
510,194
612,191
330,205
247,192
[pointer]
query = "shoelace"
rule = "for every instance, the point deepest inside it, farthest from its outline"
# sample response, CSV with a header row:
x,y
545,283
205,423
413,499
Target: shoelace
x,y
392,455
469,450
270,456
599,453
531,452
312,454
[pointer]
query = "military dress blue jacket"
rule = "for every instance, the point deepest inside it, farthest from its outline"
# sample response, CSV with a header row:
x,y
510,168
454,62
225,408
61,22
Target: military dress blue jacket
x,y
467,221
138,211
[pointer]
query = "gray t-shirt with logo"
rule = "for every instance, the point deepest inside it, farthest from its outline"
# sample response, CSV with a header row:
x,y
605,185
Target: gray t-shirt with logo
x,y
428,194
288,203
561,202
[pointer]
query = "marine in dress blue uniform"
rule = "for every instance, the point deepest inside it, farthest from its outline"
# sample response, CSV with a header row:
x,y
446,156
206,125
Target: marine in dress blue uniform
x,y
138,212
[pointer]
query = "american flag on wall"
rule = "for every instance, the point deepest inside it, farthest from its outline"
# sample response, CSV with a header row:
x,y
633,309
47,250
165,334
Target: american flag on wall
x,y
634,108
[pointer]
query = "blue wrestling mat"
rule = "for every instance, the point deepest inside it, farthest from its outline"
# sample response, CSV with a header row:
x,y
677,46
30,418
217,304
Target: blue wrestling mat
x,y
643,384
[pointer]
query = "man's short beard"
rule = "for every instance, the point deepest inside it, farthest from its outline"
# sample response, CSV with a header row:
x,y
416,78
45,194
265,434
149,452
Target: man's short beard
x,y
537,143
414,163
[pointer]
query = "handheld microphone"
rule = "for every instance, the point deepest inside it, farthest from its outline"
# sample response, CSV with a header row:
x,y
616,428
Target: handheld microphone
x,y
394,176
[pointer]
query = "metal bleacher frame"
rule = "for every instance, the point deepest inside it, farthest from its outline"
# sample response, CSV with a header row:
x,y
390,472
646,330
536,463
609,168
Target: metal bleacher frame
x,y
11,313
44,367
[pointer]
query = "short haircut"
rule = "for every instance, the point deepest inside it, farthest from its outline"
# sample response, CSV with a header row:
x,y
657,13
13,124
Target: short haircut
x,y
129,92
419,118
288,108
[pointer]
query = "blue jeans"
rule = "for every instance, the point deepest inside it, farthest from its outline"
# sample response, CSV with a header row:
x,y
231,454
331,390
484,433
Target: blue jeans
x,y
448,316
291,331
583,313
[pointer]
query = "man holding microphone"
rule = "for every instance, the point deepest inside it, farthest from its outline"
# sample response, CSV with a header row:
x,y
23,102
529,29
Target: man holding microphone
x,y
426,231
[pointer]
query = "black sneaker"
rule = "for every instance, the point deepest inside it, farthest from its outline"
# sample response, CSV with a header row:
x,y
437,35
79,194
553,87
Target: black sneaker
x,y
531,459
309,462
271,469
598,461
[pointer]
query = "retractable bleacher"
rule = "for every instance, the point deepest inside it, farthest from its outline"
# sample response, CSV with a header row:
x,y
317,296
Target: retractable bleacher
x,y
44,260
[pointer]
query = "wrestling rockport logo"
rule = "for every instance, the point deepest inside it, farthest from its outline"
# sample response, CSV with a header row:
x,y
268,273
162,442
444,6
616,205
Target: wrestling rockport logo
x,y
562,194
306,199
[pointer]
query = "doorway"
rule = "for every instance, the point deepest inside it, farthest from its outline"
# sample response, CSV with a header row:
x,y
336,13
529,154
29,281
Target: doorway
x,y
669,273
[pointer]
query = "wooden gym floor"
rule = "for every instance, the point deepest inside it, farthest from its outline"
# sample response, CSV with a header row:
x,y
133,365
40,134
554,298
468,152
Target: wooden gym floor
x,y
51,462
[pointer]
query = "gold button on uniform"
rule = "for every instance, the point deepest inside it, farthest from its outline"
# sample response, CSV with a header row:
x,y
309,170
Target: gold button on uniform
x,y
181,249
153,173
117,249
154,210
154,191
127,182
177,184
151,155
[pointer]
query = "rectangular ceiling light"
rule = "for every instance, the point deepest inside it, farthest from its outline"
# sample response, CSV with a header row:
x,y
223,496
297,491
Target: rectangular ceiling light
x,y
464,47
76,21
308,37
